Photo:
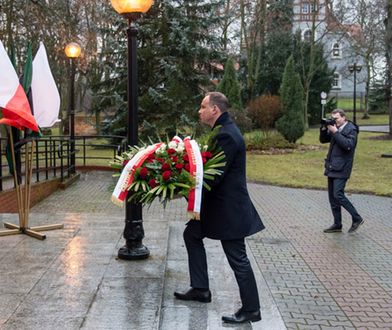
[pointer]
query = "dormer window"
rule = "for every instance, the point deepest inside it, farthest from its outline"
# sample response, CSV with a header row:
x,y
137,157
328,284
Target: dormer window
x,y
336,51
308,7
305,8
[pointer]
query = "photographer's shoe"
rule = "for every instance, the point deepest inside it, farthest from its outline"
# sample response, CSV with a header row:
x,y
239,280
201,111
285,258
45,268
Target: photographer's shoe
x,y
333,229
356,225
201,295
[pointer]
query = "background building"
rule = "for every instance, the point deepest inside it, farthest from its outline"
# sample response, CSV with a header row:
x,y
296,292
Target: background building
x,y
339,42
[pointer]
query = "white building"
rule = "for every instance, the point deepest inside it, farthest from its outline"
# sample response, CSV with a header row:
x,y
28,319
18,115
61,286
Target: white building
x,y
338,40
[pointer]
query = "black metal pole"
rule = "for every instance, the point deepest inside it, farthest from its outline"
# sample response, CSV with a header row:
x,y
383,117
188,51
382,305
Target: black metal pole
x,y
133,231
355,94
72,117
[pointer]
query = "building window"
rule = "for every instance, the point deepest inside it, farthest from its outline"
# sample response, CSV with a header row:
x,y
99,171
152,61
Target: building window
x,y
337,81
305,8
307,35
336,52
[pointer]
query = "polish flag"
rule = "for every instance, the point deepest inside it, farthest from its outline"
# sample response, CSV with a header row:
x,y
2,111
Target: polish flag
x,y
46,97
14,105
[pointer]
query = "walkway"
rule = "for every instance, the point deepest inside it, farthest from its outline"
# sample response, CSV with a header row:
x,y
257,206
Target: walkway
x,y
307,279
374,128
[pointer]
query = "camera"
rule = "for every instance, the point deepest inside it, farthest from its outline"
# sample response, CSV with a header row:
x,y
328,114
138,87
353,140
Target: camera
x,y
328,121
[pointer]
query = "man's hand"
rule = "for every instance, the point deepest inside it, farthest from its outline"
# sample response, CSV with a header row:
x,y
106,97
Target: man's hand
x,y
332,128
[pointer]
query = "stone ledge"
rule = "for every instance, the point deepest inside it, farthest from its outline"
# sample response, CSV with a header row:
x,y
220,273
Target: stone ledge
x,y
68,181
39,191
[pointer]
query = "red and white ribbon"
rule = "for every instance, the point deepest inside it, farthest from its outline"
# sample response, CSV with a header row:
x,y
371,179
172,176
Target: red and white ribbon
x,y
176,139
126,178
196,170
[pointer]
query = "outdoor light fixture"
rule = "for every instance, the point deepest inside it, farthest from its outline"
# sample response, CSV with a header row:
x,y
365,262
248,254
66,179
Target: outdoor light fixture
x,y
354,68
126,7
133,231
72,51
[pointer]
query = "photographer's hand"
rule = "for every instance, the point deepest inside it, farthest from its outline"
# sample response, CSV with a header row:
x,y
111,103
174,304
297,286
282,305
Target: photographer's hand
x,y
332,128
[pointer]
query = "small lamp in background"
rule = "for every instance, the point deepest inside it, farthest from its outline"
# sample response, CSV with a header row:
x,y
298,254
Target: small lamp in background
x,y
72,51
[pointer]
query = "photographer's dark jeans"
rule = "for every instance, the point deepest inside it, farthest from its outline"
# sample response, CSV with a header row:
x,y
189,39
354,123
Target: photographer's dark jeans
x,y
337,199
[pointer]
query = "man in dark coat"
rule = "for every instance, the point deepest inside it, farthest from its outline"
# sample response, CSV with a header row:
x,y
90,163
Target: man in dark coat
x,y
227,214
342,136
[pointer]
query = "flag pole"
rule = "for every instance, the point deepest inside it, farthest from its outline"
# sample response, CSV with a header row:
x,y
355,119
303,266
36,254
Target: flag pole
x,y
29,173
24,226
19,194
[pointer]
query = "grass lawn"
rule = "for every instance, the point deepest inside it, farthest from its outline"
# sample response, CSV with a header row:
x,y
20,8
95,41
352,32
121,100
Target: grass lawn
x,y
348,103
378,119
374,119
304,169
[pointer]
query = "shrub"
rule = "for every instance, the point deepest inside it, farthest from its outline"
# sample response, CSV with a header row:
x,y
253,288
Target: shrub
x,y
264,110
258,140
242,120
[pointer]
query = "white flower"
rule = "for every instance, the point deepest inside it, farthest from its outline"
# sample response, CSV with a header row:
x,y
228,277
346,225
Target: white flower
x,y
161,149
172,144
180,147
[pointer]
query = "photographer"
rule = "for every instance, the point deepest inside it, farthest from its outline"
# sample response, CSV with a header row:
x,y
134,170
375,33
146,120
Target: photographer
x,y
342,136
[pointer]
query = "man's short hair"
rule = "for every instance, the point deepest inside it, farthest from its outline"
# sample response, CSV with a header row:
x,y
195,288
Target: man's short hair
x,y
220,100
340,112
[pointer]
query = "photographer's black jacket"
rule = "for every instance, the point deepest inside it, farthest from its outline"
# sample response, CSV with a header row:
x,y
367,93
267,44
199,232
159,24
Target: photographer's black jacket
x,y
340,157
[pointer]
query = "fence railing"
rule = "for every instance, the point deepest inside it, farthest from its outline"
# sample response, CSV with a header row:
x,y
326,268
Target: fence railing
x,y
52,155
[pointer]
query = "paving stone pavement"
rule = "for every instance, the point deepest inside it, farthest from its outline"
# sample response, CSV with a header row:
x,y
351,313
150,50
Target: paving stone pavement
x,y
307,279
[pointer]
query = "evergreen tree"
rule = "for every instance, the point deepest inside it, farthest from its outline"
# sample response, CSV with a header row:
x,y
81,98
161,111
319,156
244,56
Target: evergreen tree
x,y
278,46
176,47
230,86
322,76
291,125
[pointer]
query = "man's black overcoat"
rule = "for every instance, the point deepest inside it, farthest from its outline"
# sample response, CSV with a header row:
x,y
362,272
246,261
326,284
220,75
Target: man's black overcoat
x,y
227,212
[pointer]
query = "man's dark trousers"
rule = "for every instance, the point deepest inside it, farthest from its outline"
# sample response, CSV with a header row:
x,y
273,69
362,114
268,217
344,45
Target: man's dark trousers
x,y
235,251
337,199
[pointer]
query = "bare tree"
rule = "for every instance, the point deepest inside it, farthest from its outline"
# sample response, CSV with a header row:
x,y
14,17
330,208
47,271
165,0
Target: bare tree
x,y
253,27
368,42
388,55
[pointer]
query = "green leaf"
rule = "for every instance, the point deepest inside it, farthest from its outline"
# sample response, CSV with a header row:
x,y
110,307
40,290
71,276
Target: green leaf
x,y
137,186
179,184
165,189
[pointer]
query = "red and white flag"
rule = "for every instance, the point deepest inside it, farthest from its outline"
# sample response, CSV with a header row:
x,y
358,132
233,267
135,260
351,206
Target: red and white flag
x,y
46,97
14,105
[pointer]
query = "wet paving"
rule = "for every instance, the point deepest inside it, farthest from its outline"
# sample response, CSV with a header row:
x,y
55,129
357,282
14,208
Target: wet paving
x,y
306,279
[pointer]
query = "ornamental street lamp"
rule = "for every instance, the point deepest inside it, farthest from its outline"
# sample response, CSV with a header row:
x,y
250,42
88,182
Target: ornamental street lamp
x,y
133,231
354,68
72,51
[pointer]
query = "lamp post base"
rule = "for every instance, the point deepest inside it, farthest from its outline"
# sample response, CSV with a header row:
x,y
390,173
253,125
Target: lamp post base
x,y
133,250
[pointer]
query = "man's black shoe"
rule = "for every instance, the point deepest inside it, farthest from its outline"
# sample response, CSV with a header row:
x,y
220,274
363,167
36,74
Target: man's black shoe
x,y
201,295
333,229
356,225
241,317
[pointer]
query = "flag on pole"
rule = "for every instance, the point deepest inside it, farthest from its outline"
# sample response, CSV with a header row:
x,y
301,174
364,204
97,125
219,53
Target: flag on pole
x,y
46,97
13,100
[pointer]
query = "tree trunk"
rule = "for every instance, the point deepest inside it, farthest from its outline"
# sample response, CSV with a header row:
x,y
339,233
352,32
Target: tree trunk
x,y
388,56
